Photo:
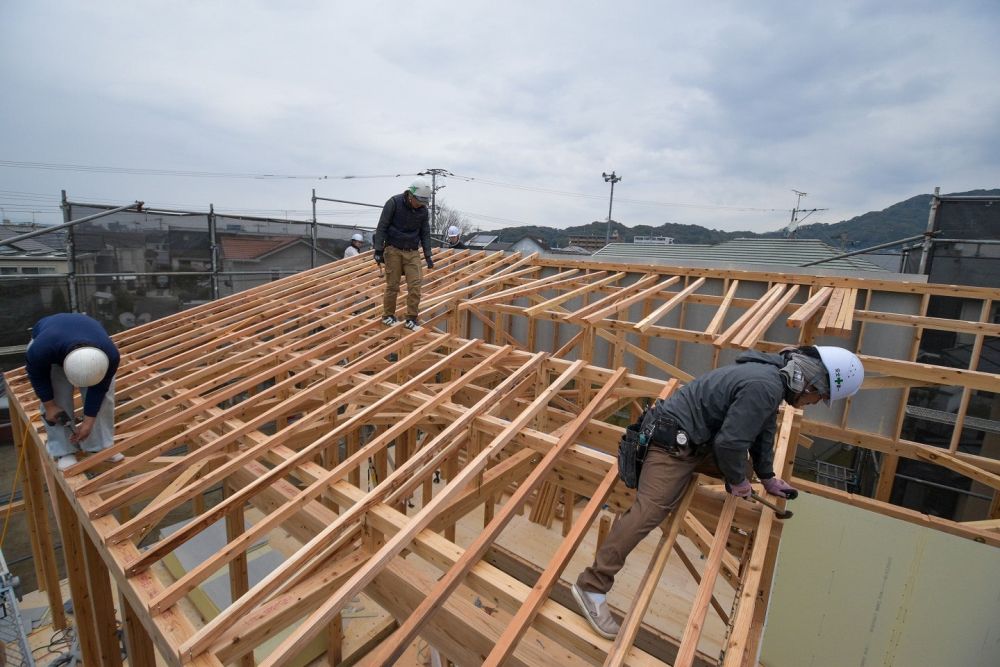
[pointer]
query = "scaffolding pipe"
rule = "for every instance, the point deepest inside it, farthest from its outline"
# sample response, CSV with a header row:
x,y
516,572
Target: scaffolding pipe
x,y
312,234
68,223
213,251
931,221
869,249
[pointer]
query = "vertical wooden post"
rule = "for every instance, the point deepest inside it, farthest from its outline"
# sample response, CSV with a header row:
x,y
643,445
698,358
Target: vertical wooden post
x,y
335,641
137,641
73,552
353,445
239,573
102,602
21,443
569,501
450,471
38,520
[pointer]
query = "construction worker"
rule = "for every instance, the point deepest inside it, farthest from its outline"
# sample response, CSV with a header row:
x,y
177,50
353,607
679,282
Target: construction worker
x,y
727,414
402,230
73,350
354,249
453,239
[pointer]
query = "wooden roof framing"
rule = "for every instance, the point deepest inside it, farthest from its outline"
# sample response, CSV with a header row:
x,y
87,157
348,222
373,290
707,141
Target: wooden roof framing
x,y
269,406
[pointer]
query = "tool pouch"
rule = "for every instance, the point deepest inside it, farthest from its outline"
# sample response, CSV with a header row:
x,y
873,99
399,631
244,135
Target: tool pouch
x,y
664,433
631,453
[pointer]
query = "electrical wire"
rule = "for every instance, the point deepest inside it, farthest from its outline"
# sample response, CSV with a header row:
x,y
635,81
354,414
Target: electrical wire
x,y
581,195
140,171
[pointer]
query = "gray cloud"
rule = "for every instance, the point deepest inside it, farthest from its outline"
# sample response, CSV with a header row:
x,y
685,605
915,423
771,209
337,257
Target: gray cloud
x,y
861,104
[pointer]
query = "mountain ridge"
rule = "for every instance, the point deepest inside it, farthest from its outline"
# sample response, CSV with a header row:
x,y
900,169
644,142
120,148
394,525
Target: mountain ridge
x,y
898,221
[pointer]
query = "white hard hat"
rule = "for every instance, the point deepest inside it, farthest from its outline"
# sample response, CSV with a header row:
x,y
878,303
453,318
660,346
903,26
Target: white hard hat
x,y
85,366
420,189
358,237
845,369
454,231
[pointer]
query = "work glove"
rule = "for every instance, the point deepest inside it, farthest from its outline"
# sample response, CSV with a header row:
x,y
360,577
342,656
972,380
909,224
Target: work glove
x,y
430,262
779,487
741,490
379,259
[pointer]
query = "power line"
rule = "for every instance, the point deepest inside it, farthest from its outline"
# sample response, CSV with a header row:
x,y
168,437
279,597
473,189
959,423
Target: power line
x,y
643,202
140,171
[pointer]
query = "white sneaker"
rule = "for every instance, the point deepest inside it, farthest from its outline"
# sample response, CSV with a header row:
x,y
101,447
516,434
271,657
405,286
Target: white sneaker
x,y
65,462
117,458
595,610
388,320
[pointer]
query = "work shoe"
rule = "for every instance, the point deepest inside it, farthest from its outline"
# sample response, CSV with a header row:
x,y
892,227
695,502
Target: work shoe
x,y
389,320
64,462
596,612
411,324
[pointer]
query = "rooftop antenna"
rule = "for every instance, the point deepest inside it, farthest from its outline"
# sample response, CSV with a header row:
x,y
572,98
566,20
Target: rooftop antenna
x,y
794,224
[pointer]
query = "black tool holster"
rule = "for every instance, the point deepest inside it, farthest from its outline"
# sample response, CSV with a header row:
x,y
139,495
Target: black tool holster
x,y
663,432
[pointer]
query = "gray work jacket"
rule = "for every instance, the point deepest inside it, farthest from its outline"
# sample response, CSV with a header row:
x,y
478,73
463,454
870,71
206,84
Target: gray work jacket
x,y
734,410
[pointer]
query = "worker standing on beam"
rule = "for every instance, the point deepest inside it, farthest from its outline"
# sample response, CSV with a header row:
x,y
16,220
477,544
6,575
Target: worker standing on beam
x,y
726,414
403,229
70,350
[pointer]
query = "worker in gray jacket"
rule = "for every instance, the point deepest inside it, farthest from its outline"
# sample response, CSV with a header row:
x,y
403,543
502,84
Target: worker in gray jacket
x,y
728,414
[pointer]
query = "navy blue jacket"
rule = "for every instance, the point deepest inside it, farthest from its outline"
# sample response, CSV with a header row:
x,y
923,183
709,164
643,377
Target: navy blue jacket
x,y
403,226
734,410
53,337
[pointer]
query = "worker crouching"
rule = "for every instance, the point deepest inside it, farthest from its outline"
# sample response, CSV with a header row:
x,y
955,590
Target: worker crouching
x,y
70,350
725,415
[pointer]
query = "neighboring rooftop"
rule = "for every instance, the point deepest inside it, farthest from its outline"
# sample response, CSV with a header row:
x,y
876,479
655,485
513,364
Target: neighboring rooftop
x,y
770,252
41,245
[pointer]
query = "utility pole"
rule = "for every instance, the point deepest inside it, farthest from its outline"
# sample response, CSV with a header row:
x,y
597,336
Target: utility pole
x,y
434,173
611,178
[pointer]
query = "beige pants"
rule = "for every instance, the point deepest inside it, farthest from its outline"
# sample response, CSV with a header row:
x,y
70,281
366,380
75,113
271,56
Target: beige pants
x,y
661,485
397,263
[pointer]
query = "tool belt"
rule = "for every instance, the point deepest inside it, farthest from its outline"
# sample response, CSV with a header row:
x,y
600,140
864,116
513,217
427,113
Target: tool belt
x,y
649,432
664,433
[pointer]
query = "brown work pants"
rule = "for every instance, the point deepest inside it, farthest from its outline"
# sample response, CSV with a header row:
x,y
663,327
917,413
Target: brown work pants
x,y
661,485
397,263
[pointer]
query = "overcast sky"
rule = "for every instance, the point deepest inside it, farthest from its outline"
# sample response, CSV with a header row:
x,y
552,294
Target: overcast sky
x,y
711,114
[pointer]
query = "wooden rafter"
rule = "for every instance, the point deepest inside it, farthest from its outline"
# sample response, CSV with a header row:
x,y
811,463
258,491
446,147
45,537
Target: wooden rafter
x,y
280,394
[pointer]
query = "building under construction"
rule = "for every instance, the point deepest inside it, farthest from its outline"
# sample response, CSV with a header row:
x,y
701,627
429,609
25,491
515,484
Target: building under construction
x,y
303,485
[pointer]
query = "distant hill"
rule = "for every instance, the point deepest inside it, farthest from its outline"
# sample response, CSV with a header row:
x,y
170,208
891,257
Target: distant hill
x,y
907,218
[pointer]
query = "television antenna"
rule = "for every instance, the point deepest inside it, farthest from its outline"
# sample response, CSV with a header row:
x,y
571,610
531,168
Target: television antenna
x,y
796,220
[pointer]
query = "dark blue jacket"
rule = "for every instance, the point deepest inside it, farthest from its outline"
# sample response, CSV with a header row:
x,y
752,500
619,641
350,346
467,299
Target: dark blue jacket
x,y
734,410
403,226
52,339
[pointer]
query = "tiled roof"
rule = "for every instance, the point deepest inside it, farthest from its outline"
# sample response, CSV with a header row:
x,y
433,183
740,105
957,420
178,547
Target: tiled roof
x,y
29,247
767,251
251,247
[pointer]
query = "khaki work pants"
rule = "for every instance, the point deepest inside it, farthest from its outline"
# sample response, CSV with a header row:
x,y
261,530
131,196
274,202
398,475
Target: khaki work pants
x,y
397,263
661,485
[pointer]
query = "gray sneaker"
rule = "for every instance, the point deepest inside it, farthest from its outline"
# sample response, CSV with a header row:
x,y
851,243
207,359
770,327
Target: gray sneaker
x,y
596,613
